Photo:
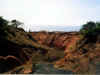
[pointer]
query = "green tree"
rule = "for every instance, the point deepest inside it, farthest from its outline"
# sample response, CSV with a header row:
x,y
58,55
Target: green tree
x,y
88,28
98,25
3,26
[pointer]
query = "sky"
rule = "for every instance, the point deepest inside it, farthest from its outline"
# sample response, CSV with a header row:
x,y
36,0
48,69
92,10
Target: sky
x,y
51,12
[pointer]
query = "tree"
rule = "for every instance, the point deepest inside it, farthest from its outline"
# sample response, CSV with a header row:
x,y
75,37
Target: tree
x,y
3,26
98,25
88,28
3,23
91,25
16,23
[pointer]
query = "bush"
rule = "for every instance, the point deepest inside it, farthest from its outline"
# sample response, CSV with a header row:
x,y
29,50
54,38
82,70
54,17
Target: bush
x,y
3,27
90,29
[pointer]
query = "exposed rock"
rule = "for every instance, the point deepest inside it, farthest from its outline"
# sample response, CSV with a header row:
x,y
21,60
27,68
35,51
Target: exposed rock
x,y
55,39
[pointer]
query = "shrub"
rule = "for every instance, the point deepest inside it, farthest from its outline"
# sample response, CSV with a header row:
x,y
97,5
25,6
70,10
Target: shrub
x,y
90,29
3,27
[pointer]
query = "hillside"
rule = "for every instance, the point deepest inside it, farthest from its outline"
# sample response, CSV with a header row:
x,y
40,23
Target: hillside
x,y
49,52
19,47
79,54
36,47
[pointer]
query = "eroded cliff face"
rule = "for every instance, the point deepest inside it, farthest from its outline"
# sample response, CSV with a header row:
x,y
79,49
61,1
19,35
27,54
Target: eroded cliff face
x,y
66,50
20,47
37,47
80,54
54,39
81,57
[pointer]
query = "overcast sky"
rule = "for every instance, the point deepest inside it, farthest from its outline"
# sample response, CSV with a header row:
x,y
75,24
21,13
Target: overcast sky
x,y
51,12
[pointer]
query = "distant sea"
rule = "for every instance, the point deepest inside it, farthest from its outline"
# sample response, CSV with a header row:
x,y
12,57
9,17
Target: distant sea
x,y
51,28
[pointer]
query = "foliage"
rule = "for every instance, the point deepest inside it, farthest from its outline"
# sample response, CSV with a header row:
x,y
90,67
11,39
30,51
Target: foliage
x,y
98,25
3,26
90,29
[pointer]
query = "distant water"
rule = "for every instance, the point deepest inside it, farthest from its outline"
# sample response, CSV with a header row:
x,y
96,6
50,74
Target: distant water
x,y
55,28
49,69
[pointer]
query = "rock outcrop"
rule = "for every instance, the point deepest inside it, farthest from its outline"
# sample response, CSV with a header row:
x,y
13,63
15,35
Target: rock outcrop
x,y
83,58
54,39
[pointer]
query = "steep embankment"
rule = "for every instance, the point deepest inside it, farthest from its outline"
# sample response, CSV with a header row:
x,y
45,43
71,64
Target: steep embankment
x,y
82,59
54,39
39,47
66,50
19,47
